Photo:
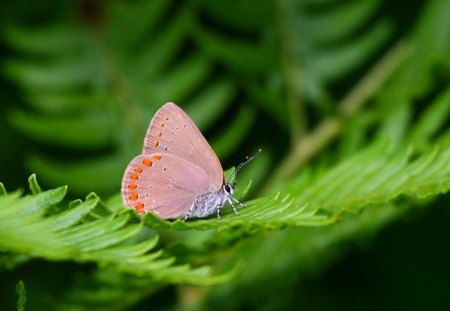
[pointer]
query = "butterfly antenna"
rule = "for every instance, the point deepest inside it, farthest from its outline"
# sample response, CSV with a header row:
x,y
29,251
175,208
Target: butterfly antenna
x,y
240,166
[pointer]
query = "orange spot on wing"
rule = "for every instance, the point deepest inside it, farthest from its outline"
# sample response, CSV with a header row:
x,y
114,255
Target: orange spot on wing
x,y
147,162
132,186
140,208
158,133
134,177
157,158
140,205
155,143
167,118
138,169
133,197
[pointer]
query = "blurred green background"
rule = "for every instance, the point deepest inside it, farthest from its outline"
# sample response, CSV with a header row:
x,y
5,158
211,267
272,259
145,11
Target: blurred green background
x,y
80,81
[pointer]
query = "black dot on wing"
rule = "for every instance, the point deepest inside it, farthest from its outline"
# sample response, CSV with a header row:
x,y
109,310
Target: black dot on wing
x,y
165,169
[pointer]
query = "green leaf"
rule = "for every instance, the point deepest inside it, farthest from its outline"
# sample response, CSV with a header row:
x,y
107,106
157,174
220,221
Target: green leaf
x,y
24,233
89,132
53,40
51,76
2,189
42,201
330,65
241,124
63,104
20,290
238,54
73,215
211,104
368,178
155,55
34,186
114,241
355,13
373,176
431,120
182,80
97,97
141,18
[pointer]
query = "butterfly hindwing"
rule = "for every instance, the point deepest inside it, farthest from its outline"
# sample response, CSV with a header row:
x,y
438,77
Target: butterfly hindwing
x,y
164,184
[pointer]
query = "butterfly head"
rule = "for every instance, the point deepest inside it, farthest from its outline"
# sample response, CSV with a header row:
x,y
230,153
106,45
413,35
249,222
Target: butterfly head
x,y
228,188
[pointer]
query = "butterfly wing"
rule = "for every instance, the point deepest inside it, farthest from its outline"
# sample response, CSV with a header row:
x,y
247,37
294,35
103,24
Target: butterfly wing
x,y
164,184
171,131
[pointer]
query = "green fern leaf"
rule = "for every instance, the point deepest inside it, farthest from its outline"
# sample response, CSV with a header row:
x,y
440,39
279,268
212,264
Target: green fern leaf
x,y
373,176
34,186
20,289
27,231
97,94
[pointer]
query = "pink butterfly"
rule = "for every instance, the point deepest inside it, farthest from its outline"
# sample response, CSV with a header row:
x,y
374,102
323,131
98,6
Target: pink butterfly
x,y
178,175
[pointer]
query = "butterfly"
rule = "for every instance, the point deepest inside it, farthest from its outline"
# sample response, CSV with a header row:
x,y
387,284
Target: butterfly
x,y
178,175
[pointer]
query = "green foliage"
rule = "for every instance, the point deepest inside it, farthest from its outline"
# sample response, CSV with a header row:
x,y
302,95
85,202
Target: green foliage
x,y
89,93
20,289
349,100
86,231
92,93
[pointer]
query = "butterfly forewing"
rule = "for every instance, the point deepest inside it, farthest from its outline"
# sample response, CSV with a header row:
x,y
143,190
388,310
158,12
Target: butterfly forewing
x,y
171,131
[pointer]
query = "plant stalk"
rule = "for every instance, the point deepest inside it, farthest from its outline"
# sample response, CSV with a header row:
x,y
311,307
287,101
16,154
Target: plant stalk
x,y
328,129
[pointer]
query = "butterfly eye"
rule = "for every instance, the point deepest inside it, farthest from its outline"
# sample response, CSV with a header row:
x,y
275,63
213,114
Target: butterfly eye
x,y
228,188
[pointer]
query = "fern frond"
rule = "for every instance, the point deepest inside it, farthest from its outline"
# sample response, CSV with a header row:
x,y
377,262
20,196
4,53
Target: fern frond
x,y
373,176
97,93
20,289
116,240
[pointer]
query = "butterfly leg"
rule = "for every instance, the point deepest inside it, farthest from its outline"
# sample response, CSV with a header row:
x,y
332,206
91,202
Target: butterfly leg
x,y
235,209
218,212
233,205
238,202
189,213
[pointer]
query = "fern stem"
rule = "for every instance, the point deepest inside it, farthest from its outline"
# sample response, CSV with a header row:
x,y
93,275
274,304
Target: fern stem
x,y
329,128
291,72
363,91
